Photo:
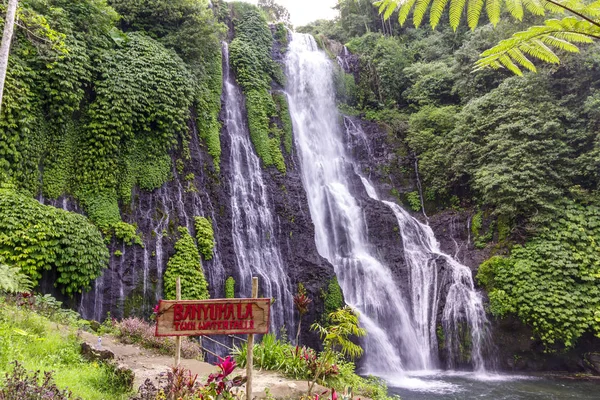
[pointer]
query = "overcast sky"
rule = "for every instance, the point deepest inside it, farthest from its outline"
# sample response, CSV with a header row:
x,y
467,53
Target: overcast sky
x,y
305,11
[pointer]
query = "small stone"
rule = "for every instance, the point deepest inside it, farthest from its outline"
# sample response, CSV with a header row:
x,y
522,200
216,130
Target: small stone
x,y
292,385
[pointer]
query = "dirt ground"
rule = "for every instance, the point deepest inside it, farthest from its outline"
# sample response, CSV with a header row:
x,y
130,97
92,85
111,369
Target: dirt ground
x,y
147,364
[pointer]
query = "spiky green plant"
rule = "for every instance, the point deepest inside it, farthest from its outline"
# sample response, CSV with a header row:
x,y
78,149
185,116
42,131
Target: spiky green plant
x,y
538,42
12,280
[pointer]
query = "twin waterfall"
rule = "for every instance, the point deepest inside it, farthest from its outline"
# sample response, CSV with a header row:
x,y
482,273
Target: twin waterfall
x,y
421,315
402,327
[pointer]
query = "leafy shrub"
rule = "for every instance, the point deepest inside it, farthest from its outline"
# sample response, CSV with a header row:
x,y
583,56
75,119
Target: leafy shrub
x,y
21,385
37,238
138,331
333,299
552,281
185,263
205,237
414,201
230,288
180,384
254,69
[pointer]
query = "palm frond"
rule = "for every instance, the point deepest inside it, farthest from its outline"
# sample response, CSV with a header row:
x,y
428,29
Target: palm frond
x,y
538,42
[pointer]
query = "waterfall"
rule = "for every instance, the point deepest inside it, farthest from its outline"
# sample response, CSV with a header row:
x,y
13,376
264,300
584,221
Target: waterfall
x,y
253,228
402,327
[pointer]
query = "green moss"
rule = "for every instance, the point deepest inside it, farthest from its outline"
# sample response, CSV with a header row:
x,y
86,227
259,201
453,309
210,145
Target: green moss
x,y
205,236
127,233
230,288
185,263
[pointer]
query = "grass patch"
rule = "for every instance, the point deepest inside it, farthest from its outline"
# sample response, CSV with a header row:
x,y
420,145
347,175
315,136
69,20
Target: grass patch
x,y
40,344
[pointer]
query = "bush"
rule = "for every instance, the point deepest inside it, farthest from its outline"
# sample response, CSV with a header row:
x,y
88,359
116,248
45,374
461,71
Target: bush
x,y
23,385
138,331
185,263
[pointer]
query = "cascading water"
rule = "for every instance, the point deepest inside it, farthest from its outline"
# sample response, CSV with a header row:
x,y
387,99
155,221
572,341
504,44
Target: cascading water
x,y
253,227
401,326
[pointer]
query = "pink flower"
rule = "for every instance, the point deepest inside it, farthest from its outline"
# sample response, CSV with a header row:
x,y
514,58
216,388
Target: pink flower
x,y
155,310
226,365
334,395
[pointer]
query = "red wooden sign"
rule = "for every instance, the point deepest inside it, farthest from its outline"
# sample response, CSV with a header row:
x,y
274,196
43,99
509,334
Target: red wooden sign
x,y
212,317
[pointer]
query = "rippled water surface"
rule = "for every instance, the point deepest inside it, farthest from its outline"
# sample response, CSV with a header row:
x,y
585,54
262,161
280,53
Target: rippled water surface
x,y
433,385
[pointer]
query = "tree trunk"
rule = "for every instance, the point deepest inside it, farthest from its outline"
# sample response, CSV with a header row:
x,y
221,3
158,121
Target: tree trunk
x,y
9,24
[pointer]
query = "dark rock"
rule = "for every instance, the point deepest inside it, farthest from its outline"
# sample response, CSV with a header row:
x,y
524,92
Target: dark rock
x,y
91,353
591,363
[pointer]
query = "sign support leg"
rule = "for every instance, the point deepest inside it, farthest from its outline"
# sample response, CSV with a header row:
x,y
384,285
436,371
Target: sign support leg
x,y
178,338
249,359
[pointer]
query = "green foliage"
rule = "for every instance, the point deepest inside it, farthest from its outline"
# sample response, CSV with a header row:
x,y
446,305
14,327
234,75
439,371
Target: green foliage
x,y
551,282
513,147
12,280
536,41
185,263
33,339
146,96
414,201
127,233
336,337
189,28
333,299
250,53
205,236
230,288
37,238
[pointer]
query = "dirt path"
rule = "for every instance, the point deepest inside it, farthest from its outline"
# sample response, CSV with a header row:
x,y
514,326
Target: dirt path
x,y
147,364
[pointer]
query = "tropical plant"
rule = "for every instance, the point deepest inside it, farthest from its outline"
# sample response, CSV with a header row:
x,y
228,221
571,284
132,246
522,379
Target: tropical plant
x,y
301,302
539,41
12,280
336,340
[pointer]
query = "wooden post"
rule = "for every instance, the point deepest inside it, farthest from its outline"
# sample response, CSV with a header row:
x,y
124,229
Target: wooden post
x,y
250,360
178,338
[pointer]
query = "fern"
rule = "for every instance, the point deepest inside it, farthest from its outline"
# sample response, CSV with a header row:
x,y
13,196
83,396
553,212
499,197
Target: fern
x,y
493,8
12,280
538,42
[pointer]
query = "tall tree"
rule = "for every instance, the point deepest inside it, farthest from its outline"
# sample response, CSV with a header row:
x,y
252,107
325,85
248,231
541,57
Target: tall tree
x,y
9,24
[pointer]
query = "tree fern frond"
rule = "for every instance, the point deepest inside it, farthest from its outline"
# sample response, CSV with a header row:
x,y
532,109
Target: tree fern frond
x,y
535,7
515,8
419,12
559,44
574,37
404,10
456,10
493,8
538,49
508,63
522,59
474,8
538,42
387,7
437,9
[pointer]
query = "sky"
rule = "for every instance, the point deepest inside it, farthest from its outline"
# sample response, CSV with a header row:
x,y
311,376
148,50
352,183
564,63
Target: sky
x,y
305,11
